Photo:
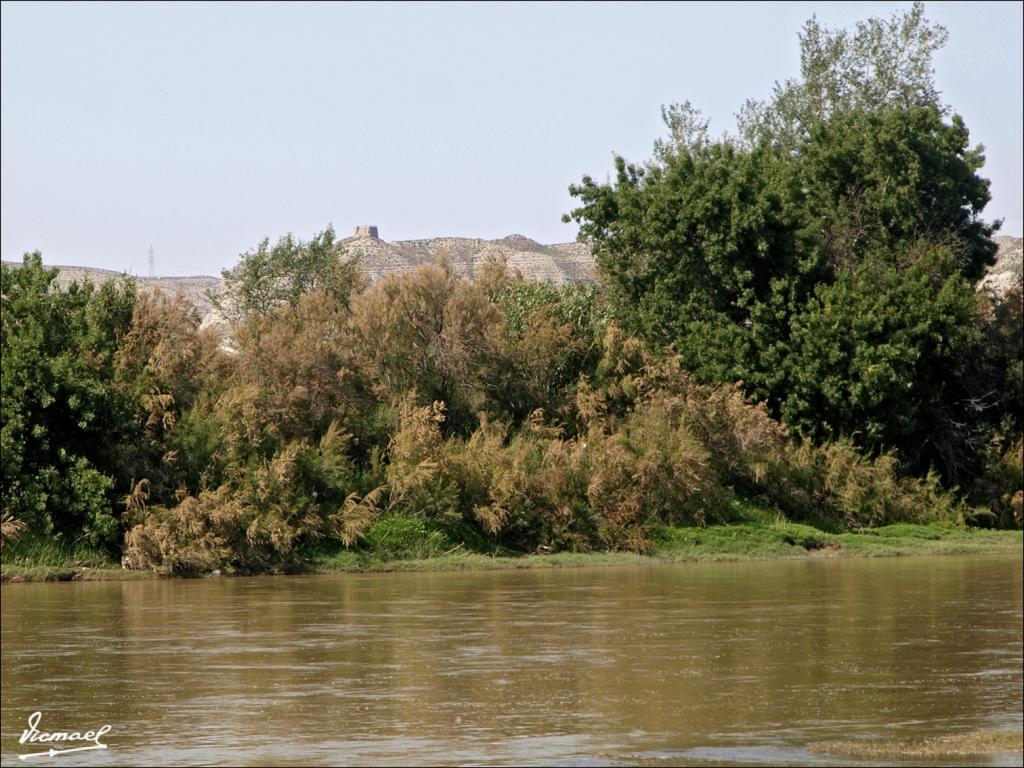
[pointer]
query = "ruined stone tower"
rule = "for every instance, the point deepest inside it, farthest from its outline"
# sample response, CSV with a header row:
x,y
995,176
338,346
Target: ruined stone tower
x,y
367,230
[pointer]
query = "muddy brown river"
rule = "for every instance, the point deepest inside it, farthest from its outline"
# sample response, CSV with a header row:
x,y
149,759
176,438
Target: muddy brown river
x,y
661,665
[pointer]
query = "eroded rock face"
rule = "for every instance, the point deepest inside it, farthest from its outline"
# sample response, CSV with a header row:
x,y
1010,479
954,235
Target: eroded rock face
x,y
1008,271
560,263
195,287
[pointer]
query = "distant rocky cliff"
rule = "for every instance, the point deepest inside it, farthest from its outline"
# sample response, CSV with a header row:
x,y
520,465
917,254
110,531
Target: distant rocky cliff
x,y
1008,271
194,287
560,263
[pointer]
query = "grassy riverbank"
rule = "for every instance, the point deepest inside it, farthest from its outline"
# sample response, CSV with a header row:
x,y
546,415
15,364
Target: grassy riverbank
x,y
419,548
959,745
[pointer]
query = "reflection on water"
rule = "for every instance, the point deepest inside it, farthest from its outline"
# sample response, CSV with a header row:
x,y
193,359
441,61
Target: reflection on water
x,y
697,664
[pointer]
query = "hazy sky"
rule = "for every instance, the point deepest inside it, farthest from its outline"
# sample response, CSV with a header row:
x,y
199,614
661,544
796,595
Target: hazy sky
x,y
200,128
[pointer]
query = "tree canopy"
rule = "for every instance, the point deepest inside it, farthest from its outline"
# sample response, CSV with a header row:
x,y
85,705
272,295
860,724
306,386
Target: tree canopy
x,y
64,420
270,276
826,256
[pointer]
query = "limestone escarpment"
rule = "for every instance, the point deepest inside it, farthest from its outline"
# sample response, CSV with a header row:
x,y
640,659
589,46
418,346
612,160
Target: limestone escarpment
x,y
560,263
1008,271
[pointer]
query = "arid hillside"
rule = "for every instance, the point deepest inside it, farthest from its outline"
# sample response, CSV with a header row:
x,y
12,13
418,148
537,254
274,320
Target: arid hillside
x,y
195,286
1008,270
559,263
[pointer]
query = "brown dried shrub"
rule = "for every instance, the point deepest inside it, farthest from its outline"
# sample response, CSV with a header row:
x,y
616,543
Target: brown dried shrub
x,y
10,528
260,519
295,373
837,482
1001,486
167,358
431,333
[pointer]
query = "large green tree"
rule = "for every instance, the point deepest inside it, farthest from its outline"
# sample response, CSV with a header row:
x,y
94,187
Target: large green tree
x,y
66,428
880,64
269,276
825,257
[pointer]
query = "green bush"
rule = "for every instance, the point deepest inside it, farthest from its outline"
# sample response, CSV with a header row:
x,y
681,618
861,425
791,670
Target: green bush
x,y
397,537
64,420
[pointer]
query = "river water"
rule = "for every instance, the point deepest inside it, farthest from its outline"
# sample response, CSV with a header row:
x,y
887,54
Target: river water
x,y
664,665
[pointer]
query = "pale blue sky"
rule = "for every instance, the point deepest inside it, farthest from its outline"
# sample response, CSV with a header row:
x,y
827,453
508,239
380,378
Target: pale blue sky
x,y
200,128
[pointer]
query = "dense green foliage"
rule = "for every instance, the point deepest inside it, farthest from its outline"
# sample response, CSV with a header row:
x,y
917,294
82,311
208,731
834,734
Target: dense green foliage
x,y
787,322
270,276
828,258
502,415
881,64
67,427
